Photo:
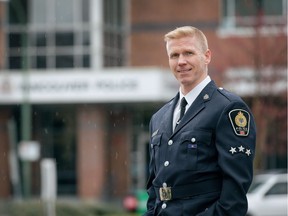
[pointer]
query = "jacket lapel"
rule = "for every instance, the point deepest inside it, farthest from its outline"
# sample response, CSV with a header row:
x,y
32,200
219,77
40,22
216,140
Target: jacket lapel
x,y
167,121
198,105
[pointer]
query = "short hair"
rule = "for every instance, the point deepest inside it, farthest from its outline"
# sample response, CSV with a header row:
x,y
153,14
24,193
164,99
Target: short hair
x,y
188,31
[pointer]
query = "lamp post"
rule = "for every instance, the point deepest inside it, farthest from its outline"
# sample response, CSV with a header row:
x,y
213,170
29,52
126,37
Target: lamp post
x,y
25,105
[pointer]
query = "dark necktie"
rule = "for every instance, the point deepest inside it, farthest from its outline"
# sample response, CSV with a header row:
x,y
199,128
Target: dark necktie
x,y
183,104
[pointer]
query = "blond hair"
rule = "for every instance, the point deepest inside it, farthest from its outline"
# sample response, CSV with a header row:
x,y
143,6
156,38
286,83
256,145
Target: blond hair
x,y
188,31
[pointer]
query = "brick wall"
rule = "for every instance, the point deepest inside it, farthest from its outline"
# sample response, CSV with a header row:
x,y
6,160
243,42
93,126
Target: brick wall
x,y
91,160
5,188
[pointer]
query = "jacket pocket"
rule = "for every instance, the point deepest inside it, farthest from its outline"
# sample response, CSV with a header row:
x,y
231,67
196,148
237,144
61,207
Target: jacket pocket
x,y
155,145
193,141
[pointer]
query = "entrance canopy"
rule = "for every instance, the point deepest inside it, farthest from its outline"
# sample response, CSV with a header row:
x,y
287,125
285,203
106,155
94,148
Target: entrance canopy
x,y
87,86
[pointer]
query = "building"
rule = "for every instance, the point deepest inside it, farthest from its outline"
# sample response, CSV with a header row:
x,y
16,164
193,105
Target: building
x,y
83,77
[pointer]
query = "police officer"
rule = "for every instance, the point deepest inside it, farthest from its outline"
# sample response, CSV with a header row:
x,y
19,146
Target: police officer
x,y
202,141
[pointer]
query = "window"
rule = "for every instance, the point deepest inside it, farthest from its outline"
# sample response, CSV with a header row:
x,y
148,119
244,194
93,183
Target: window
x,y
280,188
55,127
114,33
249,13
48,34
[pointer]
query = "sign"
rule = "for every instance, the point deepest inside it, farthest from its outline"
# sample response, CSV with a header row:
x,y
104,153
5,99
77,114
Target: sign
x,y
246,81
29,150
86,86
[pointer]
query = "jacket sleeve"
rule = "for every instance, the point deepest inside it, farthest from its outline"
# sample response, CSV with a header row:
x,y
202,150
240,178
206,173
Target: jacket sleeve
x,y
235,142
149,186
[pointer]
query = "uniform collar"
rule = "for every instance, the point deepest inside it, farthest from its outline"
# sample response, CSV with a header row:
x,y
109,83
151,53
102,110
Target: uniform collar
x,y
192,95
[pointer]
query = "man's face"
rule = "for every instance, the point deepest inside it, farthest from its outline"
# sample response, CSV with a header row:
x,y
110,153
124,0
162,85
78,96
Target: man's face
x,y
187,62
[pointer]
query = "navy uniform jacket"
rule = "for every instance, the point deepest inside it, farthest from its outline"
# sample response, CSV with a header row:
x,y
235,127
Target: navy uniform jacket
x,y
207,162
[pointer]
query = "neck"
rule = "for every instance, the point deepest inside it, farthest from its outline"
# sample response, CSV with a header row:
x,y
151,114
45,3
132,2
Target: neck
x,y
185,89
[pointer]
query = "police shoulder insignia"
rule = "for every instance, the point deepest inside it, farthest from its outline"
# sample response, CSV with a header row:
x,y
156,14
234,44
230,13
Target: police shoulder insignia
x,y
240,120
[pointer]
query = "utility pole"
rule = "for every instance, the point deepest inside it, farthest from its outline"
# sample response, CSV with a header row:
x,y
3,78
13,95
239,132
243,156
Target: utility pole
x,y
26,122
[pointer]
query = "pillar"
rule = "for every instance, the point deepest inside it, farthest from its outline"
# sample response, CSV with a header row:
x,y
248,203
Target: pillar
x,y
91,162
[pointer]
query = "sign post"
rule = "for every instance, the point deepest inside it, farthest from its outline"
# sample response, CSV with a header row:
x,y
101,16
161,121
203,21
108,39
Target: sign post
x,y
28,151
48,186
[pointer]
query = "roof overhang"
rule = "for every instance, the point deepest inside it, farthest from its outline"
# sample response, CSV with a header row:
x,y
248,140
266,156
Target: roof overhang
x,y
87,86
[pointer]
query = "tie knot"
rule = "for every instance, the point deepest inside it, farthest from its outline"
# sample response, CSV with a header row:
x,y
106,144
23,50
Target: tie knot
x,y
183,103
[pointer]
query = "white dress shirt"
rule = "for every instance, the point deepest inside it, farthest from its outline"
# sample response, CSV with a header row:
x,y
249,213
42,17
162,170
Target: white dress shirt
x,y
190,97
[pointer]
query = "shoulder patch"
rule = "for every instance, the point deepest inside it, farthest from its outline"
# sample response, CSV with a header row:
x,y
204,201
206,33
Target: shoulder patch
x,y
240,121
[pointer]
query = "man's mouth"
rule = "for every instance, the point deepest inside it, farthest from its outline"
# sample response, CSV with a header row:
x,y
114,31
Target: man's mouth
x,y
184,70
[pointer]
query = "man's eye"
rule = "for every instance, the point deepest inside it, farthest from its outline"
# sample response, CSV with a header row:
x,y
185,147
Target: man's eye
x,y
189,53
172,56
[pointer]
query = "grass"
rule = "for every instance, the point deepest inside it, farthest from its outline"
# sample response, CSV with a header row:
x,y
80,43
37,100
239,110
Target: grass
x,y
62,208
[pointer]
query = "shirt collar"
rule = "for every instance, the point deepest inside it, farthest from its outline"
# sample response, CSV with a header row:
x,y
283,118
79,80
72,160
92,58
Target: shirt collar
x,y
192,95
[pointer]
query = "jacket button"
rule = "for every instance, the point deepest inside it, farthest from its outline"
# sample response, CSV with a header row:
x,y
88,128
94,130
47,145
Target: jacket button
x,y
170,142
193,140
164,205
166,163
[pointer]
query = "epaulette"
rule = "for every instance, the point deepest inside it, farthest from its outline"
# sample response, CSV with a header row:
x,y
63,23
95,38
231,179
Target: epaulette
x,y
229,95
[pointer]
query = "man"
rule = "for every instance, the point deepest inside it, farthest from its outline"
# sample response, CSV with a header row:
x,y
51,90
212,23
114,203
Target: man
x,y
202,163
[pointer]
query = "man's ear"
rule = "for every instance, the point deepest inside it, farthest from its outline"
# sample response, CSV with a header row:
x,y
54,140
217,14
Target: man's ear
x,y
208,56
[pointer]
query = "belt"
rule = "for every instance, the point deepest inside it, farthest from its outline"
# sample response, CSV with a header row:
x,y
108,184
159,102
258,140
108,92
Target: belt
x,y
184,191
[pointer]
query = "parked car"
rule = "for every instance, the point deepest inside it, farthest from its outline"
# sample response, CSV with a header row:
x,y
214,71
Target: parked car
x,y
267,195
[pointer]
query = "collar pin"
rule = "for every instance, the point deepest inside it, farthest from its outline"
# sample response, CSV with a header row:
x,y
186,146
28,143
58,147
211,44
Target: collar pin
x,y
206,96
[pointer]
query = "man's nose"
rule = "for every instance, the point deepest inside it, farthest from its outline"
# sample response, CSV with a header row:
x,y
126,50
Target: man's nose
x,y
182,60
